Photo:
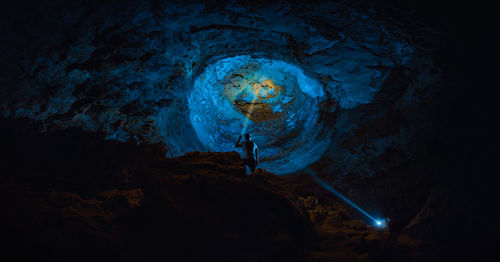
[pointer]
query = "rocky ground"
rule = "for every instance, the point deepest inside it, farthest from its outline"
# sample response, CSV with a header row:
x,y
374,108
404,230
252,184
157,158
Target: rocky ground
x,y
72,196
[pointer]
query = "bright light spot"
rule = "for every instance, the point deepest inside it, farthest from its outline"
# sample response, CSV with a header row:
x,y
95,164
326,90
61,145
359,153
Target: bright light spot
x,y
378,222
382,223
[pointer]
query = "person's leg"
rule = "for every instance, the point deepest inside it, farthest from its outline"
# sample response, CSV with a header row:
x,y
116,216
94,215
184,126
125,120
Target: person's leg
x,y
252,165
247,162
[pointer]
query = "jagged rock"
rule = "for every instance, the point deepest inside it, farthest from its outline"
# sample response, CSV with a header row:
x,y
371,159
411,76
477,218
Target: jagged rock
x,y
395,122
144,206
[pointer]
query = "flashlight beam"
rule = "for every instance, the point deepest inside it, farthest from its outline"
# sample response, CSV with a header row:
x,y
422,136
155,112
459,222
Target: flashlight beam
x,y
250,109
337,193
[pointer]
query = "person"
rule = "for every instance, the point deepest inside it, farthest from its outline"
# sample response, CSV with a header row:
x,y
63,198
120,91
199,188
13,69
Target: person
x,y
250,152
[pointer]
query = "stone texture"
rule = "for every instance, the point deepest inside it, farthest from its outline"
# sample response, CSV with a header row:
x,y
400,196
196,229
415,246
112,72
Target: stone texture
x,y
143,206
127,68
403,138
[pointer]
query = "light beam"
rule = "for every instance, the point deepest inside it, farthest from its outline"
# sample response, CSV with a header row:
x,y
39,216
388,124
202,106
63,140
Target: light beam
x,y
250,109
378,222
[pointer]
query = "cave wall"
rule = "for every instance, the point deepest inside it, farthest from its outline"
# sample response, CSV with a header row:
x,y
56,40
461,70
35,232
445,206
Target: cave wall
x,y
390,135
126,69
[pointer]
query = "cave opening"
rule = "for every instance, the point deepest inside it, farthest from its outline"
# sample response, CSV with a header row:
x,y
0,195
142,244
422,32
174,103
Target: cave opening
x,y
271,99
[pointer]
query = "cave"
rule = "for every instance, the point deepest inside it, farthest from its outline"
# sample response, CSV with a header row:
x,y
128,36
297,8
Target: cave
x,y
272,100
119,121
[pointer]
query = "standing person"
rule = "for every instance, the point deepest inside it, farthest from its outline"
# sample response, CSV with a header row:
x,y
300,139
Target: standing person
x,y
250,152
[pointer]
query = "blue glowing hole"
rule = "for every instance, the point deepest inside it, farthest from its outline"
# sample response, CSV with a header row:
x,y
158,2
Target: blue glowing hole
x,y
274,101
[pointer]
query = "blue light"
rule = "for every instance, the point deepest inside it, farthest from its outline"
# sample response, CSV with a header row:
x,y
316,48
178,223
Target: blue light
x,y
382,223
379,223
288,131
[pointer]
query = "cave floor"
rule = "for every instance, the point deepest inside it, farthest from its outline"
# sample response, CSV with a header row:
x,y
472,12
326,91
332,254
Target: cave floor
x,y
81,198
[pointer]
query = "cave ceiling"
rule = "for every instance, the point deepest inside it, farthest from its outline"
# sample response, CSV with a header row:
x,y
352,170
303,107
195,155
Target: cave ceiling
x,y
330,86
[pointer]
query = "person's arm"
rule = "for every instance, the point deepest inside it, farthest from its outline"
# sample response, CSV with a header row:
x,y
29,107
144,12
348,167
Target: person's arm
x,y
238,144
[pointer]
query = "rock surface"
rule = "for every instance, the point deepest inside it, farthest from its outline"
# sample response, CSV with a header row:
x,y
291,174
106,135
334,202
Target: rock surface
x,y
127,68
111,200
402,134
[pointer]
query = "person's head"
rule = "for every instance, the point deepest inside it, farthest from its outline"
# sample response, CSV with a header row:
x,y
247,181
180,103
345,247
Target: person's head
x,y
247,137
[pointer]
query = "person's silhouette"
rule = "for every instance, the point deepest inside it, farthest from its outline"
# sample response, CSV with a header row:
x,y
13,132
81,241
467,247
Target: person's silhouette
x,y
250,152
